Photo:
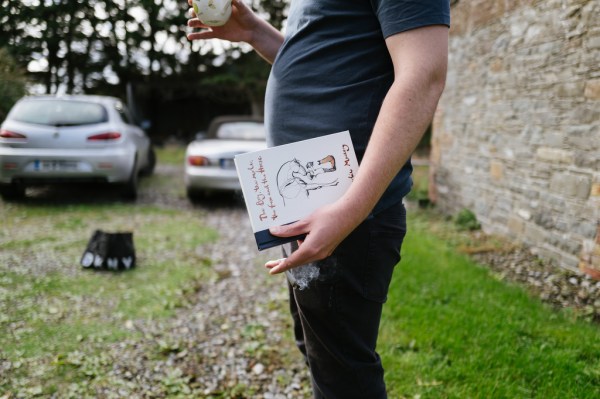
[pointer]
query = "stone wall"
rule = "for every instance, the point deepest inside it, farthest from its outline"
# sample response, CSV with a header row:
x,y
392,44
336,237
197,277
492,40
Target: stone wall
x,y
516,138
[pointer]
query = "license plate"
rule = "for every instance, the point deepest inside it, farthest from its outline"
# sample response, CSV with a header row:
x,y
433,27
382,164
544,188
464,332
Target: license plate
x,y
226,163
54,165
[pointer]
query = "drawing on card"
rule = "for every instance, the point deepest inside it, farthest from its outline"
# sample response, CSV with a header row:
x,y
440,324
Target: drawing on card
x,y
295,179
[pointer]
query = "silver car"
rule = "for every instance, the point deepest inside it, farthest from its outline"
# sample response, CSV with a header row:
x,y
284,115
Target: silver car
x,y
209,162
56,139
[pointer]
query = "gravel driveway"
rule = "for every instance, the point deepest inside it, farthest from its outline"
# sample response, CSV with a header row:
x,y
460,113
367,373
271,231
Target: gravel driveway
x,y
231,338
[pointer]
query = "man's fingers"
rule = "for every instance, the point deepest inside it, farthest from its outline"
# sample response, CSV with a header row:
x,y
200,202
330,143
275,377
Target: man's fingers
x,y
303,255
277,266
289,230
195,23
274,263
200,35
281,265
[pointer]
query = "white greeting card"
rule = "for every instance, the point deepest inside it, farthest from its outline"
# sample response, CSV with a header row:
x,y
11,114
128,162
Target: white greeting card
x,y
283,184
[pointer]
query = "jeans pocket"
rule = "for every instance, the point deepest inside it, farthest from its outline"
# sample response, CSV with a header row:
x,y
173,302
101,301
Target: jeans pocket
x,y
385,241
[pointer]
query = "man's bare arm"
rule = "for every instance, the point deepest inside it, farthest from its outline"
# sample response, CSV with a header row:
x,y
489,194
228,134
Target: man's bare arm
x,y
243,26
420,62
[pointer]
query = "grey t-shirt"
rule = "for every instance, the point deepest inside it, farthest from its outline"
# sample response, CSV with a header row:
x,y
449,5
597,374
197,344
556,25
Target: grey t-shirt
x,y
333,71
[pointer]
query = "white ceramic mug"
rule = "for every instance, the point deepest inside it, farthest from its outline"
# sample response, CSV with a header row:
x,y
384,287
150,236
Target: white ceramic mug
x,y
212,12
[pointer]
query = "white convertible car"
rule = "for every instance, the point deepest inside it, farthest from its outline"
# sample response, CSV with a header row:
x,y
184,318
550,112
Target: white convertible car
x,y
209,162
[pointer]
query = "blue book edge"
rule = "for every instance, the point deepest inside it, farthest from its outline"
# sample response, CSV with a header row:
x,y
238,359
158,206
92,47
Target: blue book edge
x,y
265,240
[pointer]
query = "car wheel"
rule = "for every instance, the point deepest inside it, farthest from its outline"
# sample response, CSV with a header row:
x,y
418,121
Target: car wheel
x,y
12,192
149,168
130,188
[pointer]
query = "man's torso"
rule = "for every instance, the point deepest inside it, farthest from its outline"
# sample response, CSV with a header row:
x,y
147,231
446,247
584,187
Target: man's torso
x,y
334,70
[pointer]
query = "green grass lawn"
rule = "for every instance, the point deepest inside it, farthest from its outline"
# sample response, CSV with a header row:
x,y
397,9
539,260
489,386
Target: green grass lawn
x,y
452,330
52,310
171,154
51,307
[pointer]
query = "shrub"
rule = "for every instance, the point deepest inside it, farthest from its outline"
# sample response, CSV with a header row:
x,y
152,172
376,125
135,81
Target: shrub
x,y
466,220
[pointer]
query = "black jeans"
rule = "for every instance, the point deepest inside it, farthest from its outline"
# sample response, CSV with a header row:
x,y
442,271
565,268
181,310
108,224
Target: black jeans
x,y
336,318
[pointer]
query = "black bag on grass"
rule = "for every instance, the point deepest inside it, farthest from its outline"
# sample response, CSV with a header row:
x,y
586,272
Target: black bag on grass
x,y
110,251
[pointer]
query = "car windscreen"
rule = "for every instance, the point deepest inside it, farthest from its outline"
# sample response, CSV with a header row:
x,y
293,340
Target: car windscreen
x,y
241,131
59,112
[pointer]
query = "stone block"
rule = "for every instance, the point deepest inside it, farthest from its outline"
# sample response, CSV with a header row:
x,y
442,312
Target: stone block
x,y
589,261
579,186
484,11
524,214
531,194
460,18
554,139
588,160
570,89
592,42
551,254
586,228
535,234
588,113
568,261
481,207
582,187
496,170
562,225
544,218
570,245
555,155
592,89
571,185
515,225
579,137
497,65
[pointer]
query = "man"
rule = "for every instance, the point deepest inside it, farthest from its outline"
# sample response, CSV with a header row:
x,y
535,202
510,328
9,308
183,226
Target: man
x,y
376,68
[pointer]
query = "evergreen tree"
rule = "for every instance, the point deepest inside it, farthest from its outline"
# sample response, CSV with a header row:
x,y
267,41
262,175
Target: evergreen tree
x,y
12,83
104,46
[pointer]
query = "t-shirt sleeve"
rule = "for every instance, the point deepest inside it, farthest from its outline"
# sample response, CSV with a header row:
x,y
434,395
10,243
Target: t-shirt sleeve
x,y
397,16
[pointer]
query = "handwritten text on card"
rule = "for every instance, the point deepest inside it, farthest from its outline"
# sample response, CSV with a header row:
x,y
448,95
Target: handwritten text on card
x,y
264,200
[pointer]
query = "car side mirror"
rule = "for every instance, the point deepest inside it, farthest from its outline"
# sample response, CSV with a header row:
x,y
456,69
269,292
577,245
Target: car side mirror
x,y
200,136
